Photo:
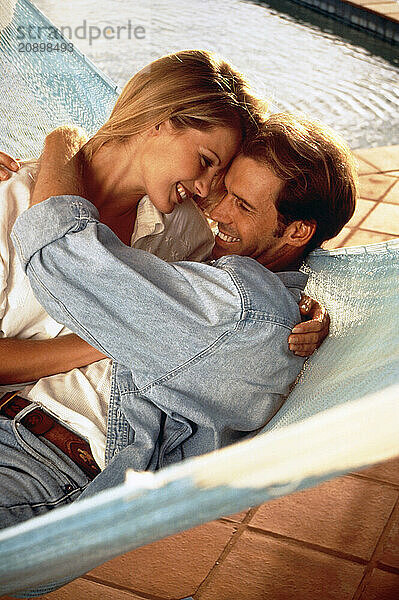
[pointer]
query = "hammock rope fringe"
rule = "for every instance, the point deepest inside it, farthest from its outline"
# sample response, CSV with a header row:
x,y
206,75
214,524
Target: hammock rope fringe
x,y
342,414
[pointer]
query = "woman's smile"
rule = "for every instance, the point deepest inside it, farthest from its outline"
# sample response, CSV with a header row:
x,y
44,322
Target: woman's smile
x,y
182,193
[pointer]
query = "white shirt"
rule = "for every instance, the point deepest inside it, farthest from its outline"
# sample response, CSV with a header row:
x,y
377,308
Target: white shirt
x,y
79,398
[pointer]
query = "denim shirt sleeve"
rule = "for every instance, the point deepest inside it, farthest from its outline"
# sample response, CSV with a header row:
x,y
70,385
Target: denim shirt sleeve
x,y
126,302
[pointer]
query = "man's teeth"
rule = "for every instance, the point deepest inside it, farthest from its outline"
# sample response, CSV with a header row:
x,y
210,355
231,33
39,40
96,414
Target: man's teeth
x,y
182,191
227,238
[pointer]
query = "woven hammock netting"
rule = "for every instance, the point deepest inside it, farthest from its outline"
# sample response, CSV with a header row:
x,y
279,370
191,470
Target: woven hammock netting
x,y
41,89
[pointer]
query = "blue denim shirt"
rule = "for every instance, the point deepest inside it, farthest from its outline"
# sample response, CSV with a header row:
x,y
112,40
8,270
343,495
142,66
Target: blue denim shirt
x,y
200,349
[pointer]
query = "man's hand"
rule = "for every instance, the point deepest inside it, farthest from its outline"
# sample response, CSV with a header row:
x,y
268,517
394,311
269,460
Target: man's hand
x,y
7,161
309,335
59,171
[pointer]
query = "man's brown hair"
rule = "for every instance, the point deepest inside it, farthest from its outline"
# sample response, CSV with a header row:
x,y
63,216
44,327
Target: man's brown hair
x,y
318,170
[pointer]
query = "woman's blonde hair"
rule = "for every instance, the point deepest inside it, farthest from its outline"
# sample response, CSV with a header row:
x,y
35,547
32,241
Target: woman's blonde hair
x,y
192,88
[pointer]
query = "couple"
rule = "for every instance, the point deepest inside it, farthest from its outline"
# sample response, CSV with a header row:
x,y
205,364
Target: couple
x,y
200,353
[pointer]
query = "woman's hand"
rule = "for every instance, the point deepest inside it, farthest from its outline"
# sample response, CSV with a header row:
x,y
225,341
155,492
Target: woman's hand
x,y
307,336
7,161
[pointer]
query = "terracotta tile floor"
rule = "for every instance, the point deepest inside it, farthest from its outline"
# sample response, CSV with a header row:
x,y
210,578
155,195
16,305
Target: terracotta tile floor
x,y
384,8
339,541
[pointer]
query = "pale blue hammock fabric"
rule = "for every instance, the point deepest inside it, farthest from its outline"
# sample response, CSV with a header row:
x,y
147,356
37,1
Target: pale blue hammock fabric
x,y
342,414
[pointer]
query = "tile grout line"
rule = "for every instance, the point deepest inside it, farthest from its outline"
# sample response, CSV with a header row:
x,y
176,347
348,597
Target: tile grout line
x,y
121,588
236,535
373,562
380,198
389,188
353,230
388,569
390,484
309,545
386,202
377,170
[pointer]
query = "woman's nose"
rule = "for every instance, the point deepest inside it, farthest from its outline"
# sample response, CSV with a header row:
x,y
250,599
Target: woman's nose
x,y
203,185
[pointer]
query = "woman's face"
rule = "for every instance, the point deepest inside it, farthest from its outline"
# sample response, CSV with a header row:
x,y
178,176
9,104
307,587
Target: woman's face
x,y
176,164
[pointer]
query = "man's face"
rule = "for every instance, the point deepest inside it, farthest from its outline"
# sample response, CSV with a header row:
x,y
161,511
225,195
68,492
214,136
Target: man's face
x,y
247,216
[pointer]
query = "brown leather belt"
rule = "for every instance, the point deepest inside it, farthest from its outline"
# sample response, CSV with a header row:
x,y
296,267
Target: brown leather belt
x,y
41,423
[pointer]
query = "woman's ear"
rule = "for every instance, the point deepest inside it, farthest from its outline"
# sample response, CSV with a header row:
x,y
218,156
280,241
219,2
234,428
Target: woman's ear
x,y
163,127
155,130
299,233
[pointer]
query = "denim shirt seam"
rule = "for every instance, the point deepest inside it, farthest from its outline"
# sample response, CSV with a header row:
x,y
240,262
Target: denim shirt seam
x,y
112,418
80,212
188,363
273,319
245,302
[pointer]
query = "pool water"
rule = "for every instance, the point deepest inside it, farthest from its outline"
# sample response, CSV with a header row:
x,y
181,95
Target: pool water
x,y
298,59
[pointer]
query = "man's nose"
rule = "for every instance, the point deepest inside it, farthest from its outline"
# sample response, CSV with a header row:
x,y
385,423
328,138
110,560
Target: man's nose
x,y
222,211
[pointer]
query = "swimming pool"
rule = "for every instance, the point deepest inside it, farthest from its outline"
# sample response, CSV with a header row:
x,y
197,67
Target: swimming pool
x,y
297,58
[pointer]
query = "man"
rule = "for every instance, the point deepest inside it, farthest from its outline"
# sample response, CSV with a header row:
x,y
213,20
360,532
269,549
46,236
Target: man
x,y
199,349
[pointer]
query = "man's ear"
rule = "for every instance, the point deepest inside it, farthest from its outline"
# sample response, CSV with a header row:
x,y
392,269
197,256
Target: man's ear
x,y
299,233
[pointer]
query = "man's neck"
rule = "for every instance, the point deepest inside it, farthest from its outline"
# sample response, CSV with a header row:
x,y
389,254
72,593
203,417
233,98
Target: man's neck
x,y
288,258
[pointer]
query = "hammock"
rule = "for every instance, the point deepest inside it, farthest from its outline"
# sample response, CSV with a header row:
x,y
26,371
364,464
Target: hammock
x,y
342,414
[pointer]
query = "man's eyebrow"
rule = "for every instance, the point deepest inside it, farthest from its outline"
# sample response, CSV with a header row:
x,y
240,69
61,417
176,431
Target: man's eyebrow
x,y
248,204
245,202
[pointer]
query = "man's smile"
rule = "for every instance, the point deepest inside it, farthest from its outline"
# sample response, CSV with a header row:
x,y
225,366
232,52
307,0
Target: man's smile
x,y
226,237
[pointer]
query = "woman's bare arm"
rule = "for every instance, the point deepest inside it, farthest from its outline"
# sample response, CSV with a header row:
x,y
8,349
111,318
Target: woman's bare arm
x,y
29,360
59,171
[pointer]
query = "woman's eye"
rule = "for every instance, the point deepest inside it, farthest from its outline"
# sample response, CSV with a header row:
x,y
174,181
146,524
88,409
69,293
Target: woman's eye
x,y
205,161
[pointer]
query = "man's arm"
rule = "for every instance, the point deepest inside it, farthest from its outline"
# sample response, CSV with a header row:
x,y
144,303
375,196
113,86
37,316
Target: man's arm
x,y
309,335
125,302
28,360
60,167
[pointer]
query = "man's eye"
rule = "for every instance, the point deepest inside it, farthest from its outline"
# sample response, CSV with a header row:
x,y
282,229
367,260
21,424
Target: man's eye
x,y
241,205
205,161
